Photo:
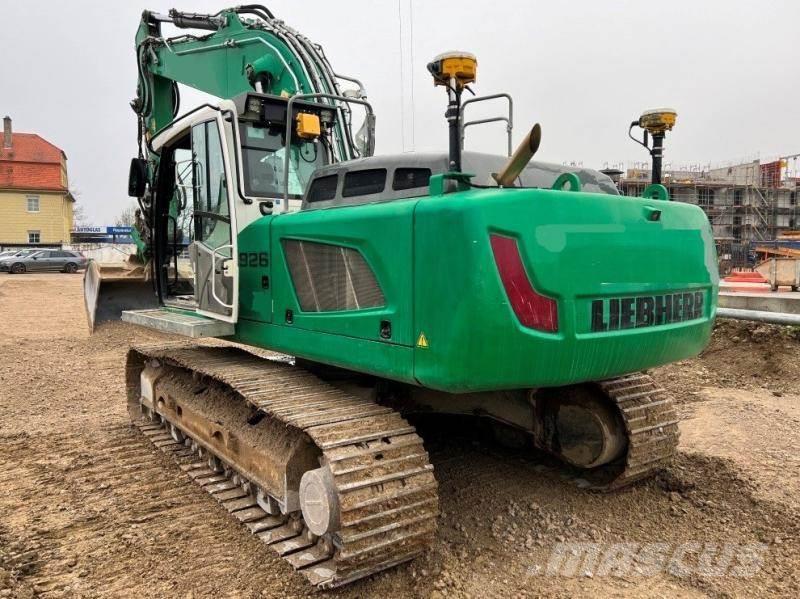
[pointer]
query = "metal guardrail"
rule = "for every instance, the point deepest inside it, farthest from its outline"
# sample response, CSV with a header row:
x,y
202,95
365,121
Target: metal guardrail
x,y
509,120
289,118
759,316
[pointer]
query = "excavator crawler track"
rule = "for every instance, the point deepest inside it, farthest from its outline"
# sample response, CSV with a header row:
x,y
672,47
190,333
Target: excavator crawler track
x,y
382,476
651,427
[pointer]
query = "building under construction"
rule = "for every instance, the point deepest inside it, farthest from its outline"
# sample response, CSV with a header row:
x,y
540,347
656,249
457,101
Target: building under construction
x,y
746,203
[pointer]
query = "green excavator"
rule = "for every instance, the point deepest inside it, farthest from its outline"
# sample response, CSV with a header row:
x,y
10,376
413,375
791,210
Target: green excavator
x,y
357,290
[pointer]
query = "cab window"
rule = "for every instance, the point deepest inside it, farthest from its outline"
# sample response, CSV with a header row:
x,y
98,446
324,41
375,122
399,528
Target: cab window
x,y
411,178
211,216
359,183
264,159
323,188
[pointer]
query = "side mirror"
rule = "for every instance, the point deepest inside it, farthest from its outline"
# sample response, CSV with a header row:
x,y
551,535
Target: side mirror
x,y
137,177
365,137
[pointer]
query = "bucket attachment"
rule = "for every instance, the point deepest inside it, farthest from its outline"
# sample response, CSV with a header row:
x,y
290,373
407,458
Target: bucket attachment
x,y
108,290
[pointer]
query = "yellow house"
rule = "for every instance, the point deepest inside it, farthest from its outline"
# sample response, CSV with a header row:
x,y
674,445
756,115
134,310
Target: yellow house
x,y
35,204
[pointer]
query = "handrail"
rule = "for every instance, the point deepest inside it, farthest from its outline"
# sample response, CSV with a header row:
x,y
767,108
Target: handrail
x,y
362,90
214,273
289,130
509,120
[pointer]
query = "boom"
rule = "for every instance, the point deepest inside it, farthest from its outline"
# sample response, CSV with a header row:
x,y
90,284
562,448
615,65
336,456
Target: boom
x,y
246,50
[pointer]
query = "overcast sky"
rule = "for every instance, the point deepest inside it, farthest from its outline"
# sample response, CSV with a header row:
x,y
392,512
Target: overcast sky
x,y
583,69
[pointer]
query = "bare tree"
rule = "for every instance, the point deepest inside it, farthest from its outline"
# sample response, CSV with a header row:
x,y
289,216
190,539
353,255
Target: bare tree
x,y
79,215
79,218
126,218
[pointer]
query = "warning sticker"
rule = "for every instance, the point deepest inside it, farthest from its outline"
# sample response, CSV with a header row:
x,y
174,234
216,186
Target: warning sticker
x,y
422,341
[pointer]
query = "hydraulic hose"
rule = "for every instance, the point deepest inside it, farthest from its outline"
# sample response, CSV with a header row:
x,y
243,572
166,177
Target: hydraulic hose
x,y
317,68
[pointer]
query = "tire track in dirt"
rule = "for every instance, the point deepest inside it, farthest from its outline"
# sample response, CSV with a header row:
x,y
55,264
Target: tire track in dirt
x,y
111,489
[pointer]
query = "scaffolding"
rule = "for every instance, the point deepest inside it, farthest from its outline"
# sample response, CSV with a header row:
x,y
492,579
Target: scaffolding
x,y
746,203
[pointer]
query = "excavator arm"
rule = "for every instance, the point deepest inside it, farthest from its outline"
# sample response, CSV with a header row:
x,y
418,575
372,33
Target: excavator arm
x,y
246,50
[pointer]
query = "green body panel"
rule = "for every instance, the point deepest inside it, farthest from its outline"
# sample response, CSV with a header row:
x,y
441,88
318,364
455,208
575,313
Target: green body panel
x,y
383,235
576,247
385,360
433,259
349,339
255,293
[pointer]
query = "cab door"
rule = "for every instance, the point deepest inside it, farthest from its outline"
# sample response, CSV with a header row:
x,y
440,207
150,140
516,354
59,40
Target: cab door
x,y
214,241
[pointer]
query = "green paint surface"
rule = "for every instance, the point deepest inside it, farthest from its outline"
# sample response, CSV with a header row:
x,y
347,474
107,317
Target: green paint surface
x,y
576,247
433,259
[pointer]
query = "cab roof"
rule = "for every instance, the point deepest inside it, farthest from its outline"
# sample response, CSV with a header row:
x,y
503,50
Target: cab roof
x,y
535,174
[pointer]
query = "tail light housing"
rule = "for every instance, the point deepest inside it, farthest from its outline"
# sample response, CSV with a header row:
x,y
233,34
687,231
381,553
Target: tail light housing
x,y
533,309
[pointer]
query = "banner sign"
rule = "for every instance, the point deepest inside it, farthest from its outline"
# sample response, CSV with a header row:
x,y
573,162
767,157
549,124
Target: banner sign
x,y
103,230
119,230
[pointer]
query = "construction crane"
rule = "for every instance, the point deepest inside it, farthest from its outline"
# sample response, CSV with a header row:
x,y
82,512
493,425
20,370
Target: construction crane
x,y
526,293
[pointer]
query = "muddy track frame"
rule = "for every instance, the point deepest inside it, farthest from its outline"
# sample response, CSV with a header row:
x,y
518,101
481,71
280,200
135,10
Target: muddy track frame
x,y
388,507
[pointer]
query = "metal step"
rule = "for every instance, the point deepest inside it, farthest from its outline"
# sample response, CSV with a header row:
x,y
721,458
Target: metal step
x,y
189,325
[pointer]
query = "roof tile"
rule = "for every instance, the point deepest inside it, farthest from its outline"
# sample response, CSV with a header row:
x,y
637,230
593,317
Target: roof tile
x,y
30,163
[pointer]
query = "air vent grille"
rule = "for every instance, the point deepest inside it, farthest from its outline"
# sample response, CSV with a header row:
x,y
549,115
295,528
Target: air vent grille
x,y
330,278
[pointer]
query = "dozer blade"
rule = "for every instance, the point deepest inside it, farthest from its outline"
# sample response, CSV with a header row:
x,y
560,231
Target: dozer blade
x,y
108,290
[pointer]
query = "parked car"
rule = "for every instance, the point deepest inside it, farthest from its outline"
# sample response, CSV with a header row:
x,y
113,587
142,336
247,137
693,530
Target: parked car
x,y
8,254
41,260
14,254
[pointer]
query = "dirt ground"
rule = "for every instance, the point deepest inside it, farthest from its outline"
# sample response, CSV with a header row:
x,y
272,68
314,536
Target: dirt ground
x,y
88,509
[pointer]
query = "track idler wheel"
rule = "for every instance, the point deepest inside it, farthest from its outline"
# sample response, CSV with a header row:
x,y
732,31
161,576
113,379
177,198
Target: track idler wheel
x,y
319,501
579,425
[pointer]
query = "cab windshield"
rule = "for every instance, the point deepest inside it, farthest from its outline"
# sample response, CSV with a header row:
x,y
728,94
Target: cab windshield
x,y
264,157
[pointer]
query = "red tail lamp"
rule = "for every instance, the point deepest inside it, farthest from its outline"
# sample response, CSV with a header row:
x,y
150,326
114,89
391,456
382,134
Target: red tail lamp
x,y
533,310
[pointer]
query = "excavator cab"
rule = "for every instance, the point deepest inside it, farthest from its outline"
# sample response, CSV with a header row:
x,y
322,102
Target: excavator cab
x,y
190,231
218,169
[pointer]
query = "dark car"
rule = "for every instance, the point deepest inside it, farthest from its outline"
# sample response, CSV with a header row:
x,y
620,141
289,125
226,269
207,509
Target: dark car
x,y
42,260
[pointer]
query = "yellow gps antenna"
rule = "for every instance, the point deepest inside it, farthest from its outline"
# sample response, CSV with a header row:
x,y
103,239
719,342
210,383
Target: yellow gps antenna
x,y
455,71
657,122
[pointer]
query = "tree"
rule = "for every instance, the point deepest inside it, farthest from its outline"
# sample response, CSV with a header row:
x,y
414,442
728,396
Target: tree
x,y
78,215
79,218
126,218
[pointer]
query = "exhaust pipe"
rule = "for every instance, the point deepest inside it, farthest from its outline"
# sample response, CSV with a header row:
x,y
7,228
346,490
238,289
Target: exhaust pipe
x,y
520,158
